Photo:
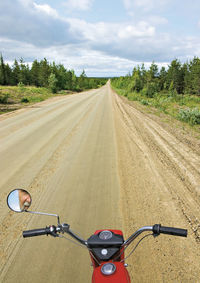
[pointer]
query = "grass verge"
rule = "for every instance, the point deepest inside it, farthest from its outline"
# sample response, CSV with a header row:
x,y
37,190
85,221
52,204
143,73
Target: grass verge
x,y
185,108
16,97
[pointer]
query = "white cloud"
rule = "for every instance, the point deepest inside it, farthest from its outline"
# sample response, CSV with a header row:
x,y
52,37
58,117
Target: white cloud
x,y
33,23
110,32
26,3
38,31
149,4
79,4
45,8
143,29
127,4
144,5
157,20
77,57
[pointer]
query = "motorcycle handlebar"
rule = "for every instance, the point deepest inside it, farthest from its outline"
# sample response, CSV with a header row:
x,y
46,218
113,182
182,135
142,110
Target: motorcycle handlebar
x,y
37,232
53,231
158,229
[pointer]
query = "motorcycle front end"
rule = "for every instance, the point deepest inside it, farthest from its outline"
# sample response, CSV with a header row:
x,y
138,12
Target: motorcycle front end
x,y
111,272
107,256
106,247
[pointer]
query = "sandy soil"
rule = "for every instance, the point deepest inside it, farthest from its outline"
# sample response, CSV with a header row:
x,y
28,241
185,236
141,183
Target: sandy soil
x,y
98,162
160,183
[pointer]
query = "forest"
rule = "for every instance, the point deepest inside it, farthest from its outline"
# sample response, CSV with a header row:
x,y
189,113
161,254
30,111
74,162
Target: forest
x,y
45,74
174,90
178,78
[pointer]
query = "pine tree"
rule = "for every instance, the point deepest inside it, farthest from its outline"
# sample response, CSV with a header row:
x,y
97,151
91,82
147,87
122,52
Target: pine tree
x,y
83,80
44,72
2,71
175,74
24,76
15,73
195,76
162,78
34,73
153,72
135,83
52,82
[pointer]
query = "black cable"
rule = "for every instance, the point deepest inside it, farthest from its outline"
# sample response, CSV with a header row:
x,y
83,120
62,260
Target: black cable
x,y
136,246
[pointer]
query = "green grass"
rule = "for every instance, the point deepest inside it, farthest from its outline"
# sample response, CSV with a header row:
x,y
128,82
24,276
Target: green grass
x,y
182,107
15,97
191,116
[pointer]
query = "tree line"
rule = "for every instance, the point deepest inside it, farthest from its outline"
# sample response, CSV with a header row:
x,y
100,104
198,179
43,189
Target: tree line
x,y
45,74
178,79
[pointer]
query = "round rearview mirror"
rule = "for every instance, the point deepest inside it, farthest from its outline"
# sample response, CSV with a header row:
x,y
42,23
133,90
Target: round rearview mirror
x,y
19,200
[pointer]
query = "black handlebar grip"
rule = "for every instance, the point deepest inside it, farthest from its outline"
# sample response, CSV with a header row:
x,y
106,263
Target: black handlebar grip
x,y
158,229
36,232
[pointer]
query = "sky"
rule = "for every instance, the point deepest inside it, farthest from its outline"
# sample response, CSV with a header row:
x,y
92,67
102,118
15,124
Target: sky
x,y
103,37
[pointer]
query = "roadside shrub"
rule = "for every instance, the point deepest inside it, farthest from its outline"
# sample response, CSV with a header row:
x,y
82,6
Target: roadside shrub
x,y
174,93
52,80
191,116
144,102
4,98
166,99
25,100
151,89
144,91
122,92
135,84
133,96
35,99
21,86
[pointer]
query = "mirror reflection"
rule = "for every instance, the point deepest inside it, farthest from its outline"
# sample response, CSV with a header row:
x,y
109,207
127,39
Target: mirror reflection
x,y
19,200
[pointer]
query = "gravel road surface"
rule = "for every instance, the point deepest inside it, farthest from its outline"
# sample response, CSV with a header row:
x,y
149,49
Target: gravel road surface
x,y
99,162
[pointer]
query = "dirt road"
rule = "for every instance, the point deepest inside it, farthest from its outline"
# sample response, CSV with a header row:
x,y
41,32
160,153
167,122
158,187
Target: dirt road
x,y
99,163
159,168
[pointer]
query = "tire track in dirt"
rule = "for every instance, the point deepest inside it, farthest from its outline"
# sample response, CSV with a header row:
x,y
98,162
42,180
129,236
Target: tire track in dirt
x,y
173,155
16,121
75,176
160,182
53,152
73,173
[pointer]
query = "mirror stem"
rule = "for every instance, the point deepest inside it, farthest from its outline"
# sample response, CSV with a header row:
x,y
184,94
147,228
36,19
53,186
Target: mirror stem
x,y
44,213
